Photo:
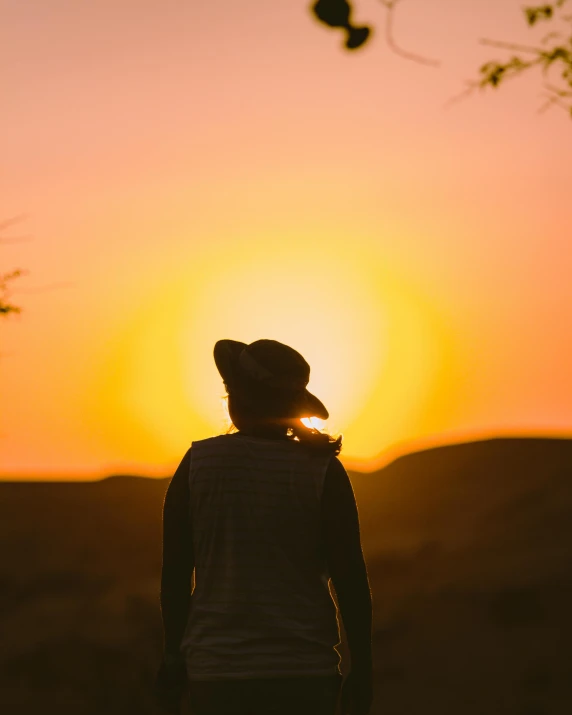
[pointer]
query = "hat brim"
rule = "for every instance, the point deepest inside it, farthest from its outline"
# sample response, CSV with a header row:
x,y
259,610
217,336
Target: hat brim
x,y
226,356
312,407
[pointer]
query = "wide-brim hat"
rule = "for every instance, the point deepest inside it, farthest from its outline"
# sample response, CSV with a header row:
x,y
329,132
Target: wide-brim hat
x,y
270,364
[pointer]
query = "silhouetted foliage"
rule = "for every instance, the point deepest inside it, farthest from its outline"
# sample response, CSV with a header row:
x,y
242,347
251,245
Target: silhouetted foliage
x,y
6,306
337,13
553,54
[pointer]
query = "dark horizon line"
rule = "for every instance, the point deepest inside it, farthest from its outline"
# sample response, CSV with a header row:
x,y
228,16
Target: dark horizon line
x,y
389,456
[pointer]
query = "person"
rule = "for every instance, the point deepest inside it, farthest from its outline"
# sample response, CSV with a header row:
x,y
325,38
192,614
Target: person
x,y
256,525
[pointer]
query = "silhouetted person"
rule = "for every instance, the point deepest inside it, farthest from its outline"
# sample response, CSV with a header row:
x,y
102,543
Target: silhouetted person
x,y
336,13
264,517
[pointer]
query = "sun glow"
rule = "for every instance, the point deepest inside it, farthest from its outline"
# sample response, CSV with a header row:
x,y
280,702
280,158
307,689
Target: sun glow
x,y
314,423
372,351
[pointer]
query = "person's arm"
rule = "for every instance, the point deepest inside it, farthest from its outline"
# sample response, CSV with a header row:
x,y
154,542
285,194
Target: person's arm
x,y
346,564
176,580
178,559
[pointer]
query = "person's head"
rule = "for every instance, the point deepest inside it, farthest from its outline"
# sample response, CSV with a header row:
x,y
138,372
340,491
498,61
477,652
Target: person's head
x,y
266,386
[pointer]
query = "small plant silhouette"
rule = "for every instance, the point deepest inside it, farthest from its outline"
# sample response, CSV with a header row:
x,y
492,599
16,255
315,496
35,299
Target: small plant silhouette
x,y
553,54
6,307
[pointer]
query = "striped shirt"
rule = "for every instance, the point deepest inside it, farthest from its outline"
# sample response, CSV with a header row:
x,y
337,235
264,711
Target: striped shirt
x,y
261,604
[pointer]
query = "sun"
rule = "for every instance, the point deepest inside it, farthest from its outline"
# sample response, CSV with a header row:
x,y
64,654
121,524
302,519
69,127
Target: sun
x,y
314,423
367,338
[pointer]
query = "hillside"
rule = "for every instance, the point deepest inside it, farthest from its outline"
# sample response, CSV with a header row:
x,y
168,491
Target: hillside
x,y
468,548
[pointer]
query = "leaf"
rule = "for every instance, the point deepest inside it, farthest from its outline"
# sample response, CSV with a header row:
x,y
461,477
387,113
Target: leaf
x,y
539,12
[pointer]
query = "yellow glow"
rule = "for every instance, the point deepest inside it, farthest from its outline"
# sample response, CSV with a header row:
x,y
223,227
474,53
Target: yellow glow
x,y
368,340
419,262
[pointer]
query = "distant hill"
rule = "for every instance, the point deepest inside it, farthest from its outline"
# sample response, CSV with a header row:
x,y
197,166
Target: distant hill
x,y
471,569
469,551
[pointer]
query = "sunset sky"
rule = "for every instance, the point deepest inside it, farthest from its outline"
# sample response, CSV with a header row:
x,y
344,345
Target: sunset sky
x,y
193,171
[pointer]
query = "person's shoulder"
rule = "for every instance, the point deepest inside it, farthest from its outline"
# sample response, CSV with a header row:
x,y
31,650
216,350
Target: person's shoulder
x,y
210,446
210,441
337,481
336,467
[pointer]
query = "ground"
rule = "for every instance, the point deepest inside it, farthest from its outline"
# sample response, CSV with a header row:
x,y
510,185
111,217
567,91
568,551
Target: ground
x,y
468,550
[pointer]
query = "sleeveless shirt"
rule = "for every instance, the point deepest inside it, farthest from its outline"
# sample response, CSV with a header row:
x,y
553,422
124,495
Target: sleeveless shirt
x,y
261,604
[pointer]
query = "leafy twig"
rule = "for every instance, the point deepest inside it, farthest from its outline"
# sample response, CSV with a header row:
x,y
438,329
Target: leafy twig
x,y
558,54
6,307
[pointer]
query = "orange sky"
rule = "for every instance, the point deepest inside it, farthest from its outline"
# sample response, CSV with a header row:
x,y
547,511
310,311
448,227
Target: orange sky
x,y
192,173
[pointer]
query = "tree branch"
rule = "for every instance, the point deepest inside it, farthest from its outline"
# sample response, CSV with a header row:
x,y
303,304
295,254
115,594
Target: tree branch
x,y
390,6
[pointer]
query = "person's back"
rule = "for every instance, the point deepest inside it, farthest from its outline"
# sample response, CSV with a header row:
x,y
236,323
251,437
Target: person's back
x,y
261,604
264,518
